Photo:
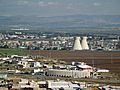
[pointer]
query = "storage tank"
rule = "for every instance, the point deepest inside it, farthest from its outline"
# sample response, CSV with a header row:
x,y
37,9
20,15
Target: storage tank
x,y
85,44
77,45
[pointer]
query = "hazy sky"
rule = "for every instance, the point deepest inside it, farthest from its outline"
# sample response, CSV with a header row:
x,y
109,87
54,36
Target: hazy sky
x,y
59,7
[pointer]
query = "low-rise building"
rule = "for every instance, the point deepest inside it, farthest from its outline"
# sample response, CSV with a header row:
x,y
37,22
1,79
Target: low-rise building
x,y
3,76
68,73
63,85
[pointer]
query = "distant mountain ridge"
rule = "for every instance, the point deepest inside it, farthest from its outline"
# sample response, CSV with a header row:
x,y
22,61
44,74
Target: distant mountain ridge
x,y
61,22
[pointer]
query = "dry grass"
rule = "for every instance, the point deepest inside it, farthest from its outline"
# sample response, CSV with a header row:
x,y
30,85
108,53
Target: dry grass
x,y
100,59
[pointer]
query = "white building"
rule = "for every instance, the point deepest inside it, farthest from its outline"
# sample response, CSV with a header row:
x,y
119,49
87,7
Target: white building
x,y
102,70
57,85
37,64
85,67
68,73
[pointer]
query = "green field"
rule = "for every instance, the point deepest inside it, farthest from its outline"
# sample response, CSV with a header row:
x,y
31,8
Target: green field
x,y
12,52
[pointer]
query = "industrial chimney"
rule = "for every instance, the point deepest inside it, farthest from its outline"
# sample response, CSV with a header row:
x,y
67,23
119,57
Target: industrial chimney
x,y
85,44
77,45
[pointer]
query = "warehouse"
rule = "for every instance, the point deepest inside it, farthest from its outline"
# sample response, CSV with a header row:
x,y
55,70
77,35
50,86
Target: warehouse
x,y
68,73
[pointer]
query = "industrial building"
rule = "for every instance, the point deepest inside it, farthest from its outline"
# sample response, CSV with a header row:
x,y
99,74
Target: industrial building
x,y
75,70
68,73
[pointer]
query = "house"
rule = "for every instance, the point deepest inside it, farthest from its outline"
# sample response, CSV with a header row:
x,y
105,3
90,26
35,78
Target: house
x,y
23,64
3,76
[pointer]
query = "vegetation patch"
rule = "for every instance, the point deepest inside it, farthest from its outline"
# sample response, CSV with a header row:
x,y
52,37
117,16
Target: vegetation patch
x,y
4,52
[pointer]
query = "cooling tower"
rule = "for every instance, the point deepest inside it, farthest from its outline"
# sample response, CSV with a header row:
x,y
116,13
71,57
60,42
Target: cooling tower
x,y
85,44
77,45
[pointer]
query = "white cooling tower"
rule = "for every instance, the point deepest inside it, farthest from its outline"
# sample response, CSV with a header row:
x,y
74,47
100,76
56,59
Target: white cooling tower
x,y
77,45
85,44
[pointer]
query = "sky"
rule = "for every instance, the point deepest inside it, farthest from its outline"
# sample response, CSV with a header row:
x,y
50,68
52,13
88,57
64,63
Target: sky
x,y
49,8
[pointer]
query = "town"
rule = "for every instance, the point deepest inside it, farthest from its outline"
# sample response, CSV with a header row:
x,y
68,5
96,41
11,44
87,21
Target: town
x,y
24,72
56,41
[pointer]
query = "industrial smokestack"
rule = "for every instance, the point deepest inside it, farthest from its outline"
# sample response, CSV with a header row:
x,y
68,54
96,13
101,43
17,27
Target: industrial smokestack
x,y
77,45
85,44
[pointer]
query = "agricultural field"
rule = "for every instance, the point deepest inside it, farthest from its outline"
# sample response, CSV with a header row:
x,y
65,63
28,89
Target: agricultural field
x,y
4,52
100,59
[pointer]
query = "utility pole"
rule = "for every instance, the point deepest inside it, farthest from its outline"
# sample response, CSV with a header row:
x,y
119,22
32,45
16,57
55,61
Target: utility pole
x,y
111,58
93,62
